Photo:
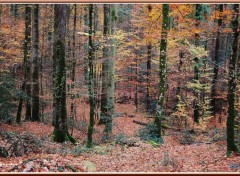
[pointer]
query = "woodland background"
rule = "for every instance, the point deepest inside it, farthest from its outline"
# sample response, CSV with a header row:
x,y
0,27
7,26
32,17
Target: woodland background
x,y
119,87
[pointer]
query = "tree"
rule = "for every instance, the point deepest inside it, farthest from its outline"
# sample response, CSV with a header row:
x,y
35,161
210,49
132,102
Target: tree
x,y
232,82
216,63
26,68
60,133
163,68
14,10
90,78
35,76
109,55
74,60
149,56
198,17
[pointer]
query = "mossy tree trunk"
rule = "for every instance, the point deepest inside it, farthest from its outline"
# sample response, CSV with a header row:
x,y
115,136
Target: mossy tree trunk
x,y
105,64
26,67
198,17
109,55
72,113
163,68
232,82
35,41
90,78
60,133
216,64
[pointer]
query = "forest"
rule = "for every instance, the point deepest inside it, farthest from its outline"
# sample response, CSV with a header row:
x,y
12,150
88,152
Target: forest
x,y
119,87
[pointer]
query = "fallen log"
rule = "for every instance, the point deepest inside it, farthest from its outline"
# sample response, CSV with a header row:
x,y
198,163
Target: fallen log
x,y
164,126
139,123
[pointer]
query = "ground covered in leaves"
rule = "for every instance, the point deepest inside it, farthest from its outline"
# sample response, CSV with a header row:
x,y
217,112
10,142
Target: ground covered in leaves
x,y
30,149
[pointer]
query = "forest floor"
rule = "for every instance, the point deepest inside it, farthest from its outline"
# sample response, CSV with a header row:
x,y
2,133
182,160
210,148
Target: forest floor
x,y
33,150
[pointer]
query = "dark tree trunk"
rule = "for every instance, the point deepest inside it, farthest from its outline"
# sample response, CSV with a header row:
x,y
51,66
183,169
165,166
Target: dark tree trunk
x,y
105,65
149,57
232,82
28,114
60,133
196,113
35,41
90,79
26,66
216,64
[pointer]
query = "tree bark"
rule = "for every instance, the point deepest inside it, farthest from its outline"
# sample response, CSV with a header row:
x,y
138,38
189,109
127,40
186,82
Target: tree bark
x,y
149,56
232,82
26,68
72,113
35,41
163,69
196,113
90,79
216,64
60,133
109,55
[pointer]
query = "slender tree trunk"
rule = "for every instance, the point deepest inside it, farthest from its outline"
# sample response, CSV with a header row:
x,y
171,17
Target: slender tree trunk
x,y
26,48
149,57
163,69
60,133
28,114
90,79
86,23
216,64
72,113
136,87
196,113
35,41
232,82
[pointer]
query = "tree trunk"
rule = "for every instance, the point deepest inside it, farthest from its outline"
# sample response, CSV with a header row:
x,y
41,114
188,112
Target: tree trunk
x,y
35,41
60,133
149,51
232,82
216,64
149,56
163,68
196,67
105,65
26,67
86,23
72,113
14,10
109,55
90,79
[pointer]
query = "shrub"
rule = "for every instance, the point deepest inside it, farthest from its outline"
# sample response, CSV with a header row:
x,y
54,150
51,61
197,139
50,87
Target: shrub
x,y
186,138
150,133
7,96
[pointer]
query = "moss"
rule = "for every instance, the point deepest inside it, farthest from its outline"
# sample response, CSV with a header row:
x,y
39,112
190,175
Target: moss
x,y
71,139
59,136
